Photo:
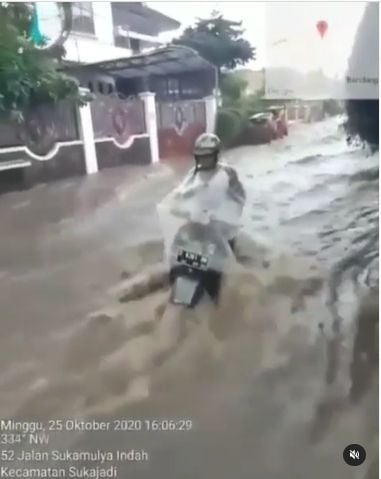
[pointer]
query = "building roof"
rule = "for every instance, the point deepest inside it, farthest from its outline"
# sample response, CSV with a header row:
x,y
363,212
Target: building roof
x,y
139,18
172,59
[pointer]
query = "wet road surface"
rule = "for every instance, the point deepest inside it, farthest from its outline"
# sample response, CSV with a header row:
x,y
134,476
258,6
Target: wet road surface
x,y
265,407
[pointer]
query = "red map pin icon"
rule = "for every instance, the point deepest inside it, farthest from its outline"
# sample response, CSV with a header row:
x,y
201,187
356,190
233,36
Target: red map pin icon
x,y
322,27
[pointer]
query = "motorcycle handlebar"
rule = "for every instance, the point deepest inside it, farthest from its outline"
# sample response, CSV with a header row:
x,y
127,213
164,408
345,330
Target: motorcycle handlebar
x,y
194,217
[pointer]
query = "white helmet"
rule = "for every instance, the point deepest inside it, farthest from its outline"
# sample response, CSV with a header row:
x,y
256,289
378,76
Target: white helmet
x,y
206,150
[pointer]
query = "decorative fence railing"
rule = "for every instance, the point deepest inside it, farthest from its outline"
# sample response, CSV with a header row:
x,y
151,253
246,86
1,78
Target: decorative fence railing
x,y
117,117
57,141
179,124
42,128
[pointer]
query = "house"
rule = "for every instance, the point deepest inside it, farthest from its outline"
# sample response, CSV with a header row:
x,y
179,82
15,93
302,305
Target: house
x,y
103,31
150,102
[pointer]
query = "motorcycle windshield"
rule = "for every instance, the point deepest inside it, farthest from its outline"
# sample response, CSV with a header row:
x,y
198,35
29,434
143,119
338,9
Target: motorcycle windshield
x,y
205,202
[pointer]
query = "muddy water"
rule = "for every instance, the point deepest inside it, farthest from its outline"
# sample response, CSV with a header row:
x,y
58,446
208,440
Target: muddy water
x,y
269,400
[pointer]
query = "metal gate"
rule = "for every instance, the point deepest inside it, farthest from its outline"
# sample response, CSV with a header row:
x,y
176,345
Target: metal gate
x,y
179,124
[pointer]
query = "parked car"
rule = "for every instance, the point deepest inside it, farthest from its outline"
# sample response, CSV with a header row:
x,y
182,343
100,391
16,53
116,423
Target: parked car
x,y
279,116
263,128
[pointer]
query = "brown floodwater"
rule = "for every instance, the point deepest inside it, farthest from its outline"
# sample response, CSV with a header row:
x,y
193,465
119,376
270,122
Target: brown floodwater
x,y
275,383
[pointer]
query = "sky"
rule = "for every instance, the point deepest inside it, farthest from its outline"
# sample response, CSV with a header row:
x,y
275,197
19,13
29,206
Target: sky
x,y
268,22
252,14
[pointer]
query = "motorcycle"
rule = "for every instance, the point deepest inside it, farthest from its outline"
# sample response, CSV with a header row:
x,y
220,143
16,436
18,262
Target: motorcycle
x,y
198,221
198,255
199,225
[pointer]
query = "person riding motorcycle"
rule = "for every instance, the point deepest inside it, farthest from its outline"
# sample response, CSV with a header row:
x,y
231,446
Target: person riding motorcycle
x,y
206,154
208,171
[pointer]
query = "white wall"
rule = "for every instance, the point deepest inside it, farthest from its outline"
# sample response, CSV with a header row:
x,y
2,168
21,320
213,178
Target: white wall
x,y
82,47
103,22
87,48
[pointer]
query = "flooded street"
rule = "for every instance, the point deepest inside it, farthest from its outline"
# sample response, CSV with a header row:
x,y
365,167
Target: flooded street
x,y
269,401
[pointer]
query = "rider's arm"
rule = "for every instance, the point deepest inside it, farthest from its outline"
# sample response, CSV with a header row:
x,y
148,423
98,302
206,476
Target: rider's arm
x,y
182,190
189,177
236,189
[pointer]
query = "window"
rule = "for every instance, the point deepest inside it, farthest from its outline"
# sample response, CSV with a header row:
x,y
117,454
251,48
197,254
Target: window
x,y
167,89
127,42
173,87
83,17
122,42
193,86
100,87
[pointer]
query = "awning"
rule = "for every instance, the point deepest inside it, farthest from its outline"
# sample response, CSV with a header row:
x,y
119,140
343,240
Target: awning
x,y
162,61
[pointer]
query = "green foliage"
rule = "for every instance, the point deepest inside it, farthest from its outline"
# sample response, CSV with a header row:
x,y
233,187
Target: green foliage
x,y
241,118
232,87
238,106
363,114
332,107
219,41
254,103
28,75
233,91
229,125
234,96
363,121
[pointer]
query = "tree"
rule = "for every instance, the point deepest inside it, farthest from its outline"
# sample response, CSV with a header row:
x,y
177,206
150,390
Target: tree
x,y
332,107
232,87
29,75
219,41
363,114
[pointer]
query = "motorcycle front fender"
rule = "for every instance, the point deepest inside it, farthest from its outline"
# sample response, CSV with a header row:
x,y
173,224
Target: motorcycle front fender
x,y
186,291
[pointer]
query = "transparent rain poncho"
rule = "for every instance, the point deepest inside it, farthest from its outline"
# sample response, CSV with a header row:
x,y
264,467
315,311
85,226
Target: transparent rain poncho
x,y
201,198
